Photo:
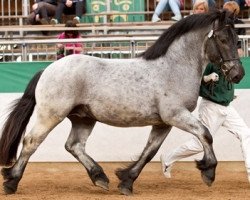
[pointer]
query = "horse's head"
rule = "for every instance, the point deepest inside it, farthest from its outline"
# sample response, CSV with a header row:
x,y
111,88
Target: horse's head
x,y
220,44
221,48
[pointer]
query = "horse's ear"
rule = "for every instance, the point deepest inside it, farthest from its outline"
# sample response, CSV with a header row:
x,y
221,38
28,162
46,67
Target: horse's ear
x,y
227,16
223,15
233,15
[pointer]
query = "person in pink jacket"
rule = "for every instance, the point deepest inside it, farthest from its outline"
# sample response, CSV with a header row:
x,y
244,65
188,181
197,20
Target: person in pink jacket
x,y
65,49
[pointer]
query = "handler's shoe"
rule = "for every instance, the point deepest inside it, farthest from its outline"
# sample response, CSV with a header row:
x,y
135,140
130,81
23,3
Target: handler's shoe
x,y
166,169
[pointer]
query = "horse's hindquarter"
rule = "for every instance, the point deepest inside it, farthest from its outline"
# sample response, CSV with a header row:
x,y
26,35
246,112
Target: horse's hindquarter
x,y
116,92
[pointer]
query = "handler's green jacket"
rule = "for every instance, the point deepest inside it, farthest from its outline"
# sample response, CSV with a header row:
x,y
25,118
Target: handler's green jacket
x,y
221,92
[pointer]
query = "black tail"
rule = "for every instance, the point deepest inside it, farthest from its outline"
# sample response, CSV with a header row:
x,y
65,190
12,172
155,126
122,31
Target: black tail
x,y
16,123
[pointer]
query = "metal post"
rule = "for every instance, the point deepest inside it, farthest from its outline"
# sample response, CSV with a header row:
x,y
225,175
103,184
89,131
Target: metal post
x,y
25,7
24,52
132,46
2,10
108,6
9,8
246,43
244,46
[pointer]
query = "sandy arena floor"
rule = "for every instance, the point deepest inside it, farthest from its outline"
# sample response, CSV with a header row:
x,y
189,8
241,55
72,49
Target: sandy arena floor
x,y
60,181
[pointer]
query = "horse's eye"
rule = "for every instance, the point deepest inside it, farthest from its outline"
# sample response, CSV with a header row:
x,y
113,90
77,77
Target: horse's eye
x,y
223,41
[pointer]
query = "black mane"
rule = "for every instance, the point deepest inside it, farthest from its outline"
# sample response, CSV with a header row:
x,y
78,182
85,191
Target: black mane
x,y
190,23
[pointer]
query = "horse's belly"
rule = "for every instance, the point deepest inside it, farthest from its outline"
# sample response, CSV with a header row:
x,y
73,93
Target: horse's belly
x,y
130,122
122,117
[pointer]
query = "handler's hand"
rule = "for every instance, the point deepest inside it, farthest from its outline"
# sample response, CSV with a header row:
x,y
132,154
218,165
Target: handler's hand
x,y
211,77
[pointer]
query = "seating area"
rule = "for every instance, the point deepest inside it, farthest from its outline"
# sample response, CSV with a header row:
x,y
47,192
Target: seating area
x,y
98,26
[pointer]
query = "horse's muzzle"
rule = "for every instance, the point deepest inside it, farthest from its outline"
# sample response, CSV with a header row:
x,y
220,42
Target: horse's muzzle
x,y
233,71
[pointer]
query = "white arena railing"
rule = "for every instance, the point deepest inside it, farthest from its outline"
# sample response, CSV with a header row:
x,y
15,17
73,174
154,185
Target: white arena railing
x,y
45,50
113,47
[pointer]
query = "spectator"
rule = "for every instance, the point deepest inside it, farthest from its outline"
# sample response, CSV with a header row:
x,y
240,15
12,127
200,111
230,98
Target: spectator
x,y
211,3
233,7
242,3
215,111
41,11
69,48
171,5
200,6
69,7
247,3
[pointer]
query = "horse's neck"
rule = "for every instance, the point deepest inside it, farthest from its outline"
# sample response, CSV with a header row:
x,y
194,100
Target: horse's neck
x,y
185,63
188,52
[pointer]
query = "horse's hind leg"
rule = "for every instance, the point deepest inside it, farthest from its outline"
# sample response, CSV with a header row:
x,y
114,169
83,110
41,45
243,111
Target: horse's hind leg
x,y
187,122
32,140
128,175
81,129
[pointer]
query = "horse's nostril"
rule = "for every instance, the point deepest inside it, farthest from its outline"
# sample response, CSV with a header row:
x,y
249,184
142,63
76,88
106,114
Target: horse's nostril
x,y
236,79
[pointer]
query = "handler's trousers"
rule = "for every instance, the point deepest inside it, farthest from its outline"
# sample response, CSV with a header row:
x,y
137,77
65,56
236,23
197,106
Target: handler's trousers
x,y
213,116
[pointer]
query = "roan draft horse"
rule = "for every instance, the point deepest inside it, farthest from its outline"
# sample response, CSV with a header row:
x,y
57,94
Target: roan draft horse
x,y
158,88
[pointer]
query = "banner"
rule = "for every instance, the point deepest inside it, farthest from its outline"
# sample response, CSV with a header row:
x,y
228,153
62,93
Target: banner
x,y
14,77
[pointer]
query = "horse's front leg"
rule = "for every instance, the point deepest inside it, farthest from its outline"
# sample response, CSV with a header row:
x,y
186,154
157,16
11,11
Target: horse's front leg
x,y
128,175
186,121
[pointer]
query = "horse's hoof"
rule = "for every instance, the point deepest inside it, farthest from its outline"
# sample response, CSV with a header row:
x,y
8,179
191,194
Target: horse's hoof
x,y
208,176
102,184
207,181
125,191
9,190
9,187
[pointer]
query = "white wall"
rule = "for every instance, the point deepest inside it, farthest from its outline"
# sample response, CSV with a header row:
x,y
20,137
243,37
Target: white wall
x,y
108,143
